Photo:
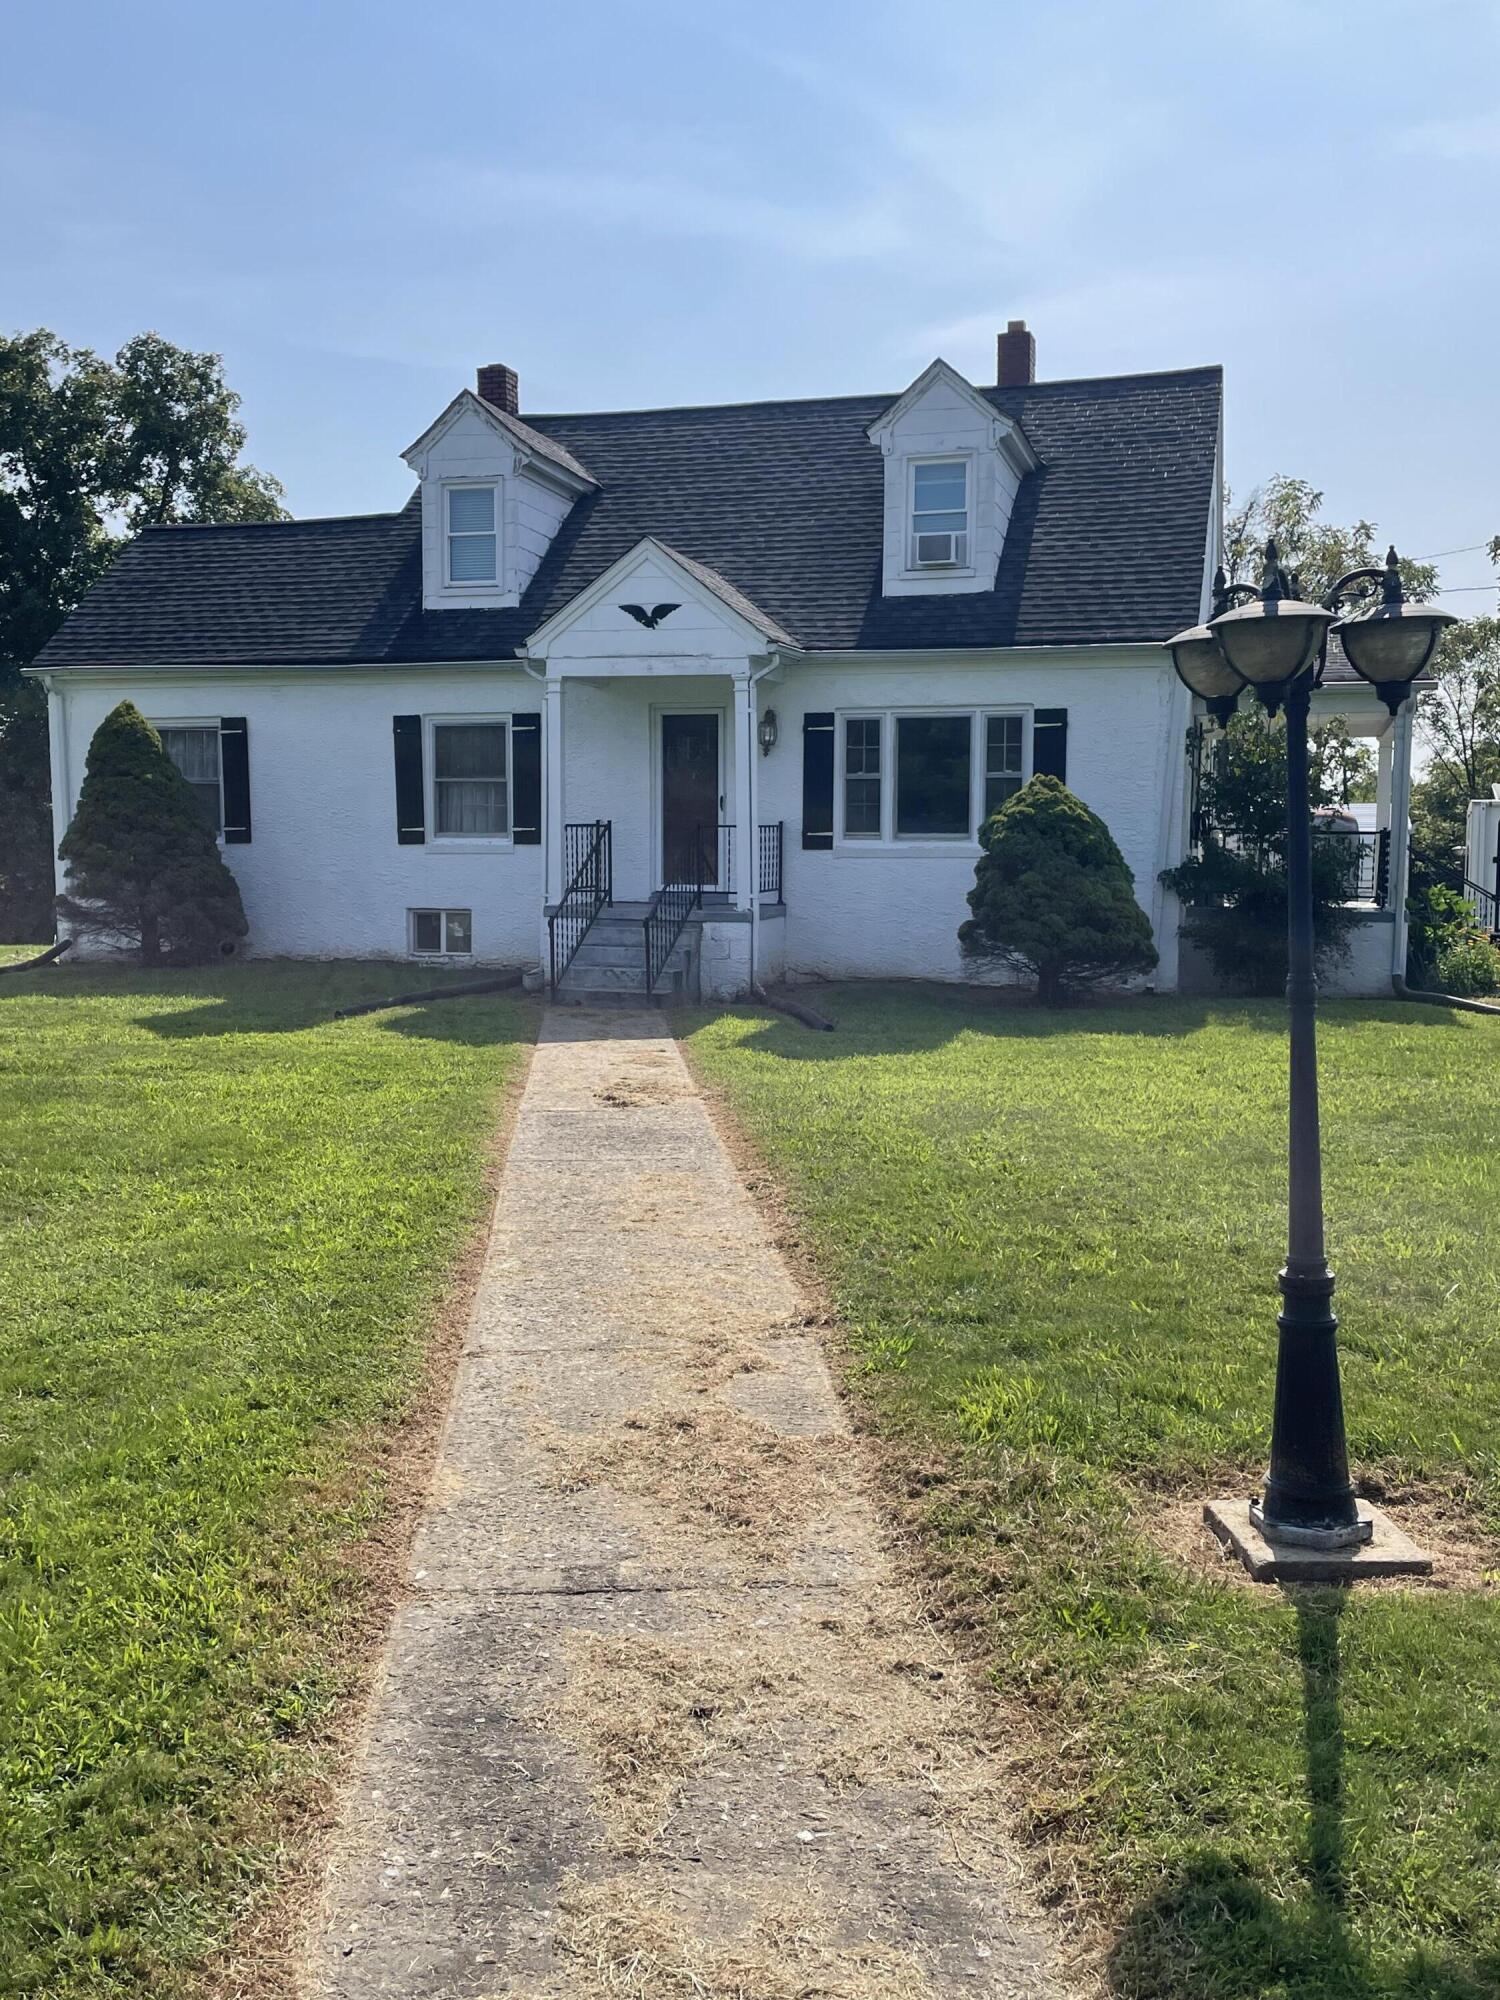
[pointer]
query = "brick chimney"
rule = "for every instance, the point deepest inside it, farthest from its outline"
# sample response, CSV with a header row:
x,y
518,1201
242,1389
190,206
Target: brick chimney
x,y
501,386
1016,356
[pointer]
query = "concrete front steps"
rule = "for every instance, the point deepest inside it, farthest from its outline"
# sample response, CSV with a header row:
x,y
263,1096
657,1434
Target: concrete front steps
x,y
609,967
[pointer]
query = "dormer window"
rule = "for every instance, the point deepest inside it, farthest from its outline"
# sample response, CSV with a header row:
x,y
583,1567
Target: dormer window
x,y
471,535
940,513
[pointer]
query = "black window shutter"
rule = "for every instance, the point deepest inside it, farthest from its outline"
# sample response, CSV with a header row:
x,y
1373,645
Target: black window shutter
x,y
1049,743
817,780
411,799
234,771
526,771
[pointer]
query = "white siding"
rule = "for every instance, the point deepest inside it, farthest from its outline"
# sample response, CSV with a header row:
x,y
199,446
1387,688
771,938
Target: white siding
x,y
323,876
870,909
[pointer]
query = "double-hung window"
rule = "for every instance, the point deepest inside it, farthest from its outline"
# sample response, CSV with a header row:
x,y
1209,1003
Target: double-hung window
x,y
471,780
862,777
1004,760
472,539
940,513
194,749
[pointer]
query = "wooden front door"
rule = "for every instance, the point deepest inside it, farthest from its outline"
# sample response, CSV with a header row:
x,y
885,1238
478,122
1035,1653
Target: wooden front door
x,y
689,795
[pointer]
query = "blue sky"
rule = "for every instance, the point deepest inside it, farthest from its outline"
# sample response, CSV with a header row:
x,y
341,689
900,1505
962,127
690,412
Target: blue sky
x,y
647,203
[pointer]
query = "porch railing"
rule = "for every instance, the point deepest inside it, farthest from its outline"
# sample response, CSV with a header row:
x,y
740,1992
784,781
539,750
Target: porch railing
x,y
588,869
1486,906
1367,862
667,915
718,846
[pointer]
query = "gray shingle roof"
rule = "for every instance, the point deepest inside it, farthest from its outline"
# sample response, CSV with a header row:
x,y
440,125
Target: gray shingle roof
x,y
782,501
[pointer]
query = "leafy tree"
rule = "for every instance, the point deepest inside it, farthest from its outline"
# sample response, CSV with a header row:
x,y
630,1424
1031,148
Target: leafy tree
x,y
1234,889
1460,724
91,450
1317,552
144,869
1344,767
1052,896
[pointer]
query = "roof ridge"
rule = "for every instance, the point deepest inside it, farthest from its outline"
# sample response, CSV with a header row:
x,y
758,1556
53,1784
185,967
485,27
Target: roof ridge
x,y
1206,368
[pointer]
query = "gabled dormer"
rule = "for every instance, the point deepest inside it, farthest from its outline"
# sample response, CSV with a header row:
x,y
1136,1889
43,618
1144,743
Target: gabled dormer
x,y
953,467
494,493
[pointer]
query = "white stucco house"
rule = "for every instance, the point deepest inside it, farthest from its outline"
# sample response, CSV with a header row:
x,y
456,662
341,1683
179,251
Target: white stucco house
x,y
697,696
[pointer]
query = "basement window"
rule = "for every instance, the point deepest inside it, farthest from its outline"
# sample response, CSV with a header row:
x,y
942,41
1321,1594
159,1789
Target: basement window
x,y
441,933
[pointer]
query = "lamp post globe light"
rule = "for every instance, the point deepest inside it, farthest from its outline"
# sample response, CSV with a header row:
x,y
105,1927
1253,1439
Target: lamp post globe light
x,y
1306,1522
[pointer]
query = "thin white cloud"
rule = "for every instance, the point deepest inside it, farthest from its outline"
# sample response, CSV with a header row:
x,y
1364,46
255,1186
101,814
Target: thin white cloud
x,y
1476,138
663,206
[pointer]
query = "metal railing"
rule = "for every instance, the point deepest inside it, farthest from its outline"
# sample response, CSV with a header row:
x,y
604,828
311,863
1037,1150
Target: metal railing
x,y
1367,862
717,843
1486,906
668,913
588,866
772,845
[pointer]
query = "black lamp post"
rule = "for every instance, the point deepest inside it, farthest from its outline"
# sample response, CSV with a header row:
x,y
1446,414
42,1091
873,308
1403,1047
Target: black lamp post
x,y
1276,643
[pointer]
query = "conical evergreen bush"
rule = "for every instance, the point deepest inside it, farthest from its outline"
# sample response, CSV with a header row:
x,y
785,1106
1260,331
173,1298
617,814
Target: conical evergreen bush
x,y
1053,898
144,869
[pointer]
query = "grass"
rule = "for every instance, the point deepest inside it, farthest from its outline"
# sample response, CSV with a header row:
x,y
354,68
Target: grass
x,y
227,1223
1053,1241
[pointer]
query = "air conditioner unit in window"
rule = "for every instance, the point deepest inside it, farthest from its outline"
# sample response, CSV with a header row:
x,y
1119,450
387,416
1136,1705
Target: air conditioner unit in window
x,y
941,551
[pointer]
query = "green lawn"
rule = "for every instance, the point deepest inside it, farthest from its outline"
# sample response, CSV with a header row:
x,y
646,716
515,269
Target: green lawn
x,y
226,1221
1053,1239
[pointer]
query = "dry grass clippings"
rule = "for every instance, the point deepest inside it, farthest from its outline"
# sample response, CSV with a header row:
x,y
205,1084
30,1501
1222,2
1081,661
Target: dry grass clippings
x,y
855,1700
711,1469
628,1943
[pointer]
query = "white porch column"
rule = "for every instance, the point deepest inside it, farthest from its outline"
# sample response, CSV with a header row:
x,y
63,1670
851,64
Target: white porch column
x,y
553,733
1383,776
745,858
1400,733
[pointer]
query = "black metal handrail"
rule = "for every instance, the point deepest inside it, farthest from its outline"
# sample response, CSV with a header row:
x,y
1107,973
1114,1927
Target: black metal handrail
x,y
718,851
772,847
668,913
1486,906
588,863
1369,860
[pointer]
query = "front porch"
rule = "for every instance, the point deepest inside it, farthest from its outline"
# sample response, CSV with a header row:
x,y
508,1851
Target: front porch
x,y
1370,838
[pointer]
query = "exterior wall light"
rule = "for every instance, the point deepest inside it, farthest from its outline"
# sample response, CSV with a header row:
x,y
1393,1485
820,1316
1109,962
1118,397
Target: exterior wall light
x,y
767,732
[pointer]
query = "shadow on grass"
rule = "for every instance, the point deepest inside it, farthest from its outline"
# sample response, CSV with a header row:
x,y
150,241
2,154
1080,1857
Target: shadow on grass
x,y
918,1019
1213,1933
268,997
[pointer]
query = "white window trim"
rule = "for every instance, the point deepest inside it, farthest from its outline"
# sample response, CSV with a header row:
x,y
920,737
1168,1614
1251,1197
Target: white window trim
x,y
211,722
466,843
441,912
471,586
888,841
911,568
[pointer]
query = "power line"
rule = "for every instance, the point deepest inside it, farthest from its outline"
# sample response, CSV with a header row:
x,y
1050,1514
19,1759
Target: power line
x,y
1468,550
1459,589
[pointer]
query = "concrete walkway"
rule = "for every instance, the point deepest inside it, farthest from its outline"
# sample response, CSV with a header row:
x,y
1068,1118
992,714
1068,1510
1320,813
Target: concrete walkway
x,y
655,1718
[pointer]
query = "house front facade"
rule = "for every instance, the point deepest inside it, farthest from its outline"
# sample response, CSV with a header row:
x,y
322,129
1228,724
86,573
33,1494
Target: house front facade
x,y
753,674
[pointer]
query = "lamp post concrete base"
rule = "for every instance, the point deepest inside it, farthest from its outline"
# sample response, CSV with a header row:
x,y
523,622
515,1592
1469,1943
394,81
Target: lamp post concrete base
x,y
1387,1552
